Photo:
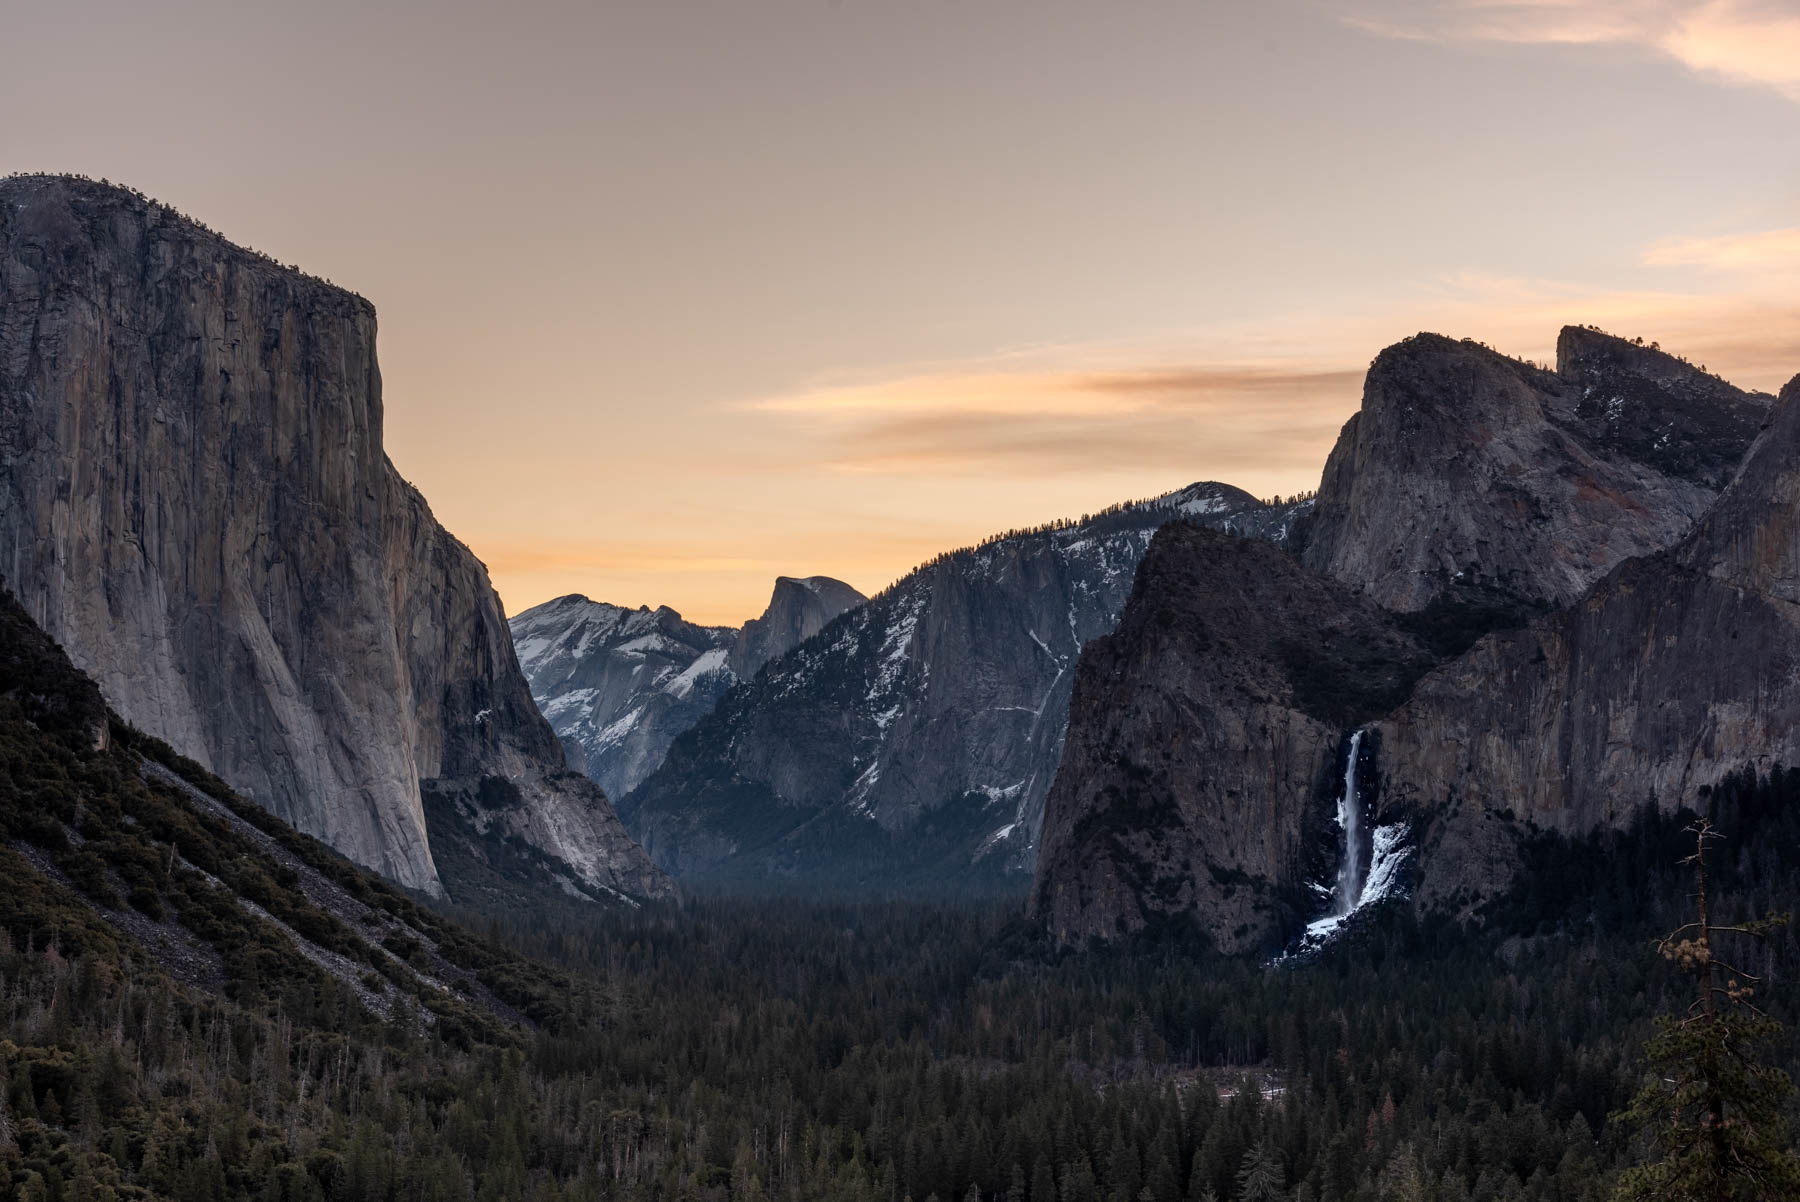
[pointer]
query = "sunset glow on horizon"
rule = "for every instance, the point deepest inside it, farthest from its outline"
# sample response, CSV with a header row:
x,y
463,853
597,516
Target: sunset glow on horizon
x,y
679,297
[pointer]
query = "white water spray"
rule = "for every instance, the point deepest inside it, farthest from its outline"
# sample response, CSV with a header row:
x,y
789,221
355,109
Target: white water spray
x,y
1357,888
1350,880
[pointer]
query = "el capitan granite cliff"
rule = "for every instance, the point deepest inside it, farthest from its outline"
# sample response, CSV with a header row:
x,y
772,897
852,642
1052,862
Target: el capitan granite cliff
x,y
194,501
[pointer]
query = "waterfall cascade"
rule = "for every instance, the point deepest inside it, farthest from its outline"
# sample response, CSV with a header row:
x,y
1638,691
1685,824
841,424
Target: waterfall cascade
x,y
1358,886
1350,879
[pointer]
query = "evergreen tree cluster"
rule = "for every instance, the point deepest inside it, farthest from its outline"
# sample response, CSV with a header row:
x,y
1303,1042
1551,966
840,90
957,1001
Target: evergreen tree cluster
x,y
885,1052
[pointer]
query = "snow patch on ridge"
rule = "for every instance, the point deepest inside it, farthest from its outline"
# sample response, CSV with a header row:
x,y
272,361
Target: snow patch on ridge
x,y
708,663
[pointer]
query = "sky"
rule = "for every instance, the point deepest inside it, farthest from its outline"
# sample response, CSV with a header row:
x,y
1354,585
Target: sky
x,y
676,297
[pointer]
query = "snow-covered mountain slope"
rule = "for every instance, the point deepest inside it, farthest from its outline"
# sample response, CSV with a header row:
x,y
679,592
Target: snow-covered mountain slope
x,y
910,744
618,685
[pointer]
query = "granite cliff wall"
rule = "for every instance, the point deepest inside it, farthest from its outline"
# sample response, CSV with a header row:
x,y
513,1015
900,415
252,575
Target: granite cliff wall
x,y
194,501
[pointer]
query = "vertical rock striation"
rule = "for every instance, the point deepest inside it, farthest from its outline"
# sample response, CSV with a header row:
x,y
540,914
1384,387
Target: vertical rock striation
x,y
194,501
799,608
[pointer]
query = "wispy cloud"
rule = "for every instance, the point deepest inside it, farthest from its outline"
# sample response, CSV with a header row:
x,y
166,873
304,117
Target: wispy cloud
x,y
1745,41
1768,251
1247,418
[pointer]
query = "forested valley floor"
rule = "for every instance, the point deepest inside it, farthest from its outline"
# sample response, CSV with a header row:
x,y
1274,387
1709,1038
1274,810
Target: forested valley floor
x,y
737,1052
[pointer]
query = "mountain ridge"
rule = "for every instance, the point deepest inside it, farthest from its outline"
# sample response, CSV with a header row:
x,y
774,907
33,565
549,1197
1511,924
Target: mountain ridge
x,y
909,744
1441,485
1667,679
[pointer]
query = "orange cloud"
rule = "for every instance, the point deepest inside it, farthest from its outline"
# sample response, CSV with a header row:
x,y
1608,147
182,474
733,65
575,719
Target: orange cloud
x,y
1249,419
1764,251
1251,447
1753,42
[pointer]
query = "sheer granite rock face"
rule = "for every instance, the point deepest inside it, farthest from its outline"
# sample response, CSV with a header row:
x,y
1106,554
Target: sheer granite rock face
x,y
799,608
1674,672
1471,476
1203,748
194,501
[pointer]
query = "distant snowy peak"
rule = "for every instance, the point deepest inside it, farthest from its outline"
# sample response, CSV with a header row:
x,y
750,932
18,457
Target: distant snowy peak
x,y
558,636
620,684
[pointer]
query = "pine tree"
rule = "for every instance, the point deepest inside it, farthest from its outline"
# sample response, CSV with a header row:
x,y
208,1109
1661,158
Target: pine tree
x,y
1714,1106
746,1184
1260,1177
1401,1180
1043,1182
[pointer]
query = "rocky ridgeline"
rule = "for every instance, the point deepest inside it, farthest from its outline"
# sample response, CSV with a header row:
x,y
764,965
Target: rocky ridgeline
x,y
1673,673
1474,477
194,501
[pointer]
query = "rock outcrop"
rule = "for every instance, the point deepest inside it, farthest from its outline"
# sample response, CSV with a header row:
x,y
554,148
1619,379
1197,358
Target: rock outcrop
x,y
1470,476
909,745
194,501
1674,672
798,609
1204,745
